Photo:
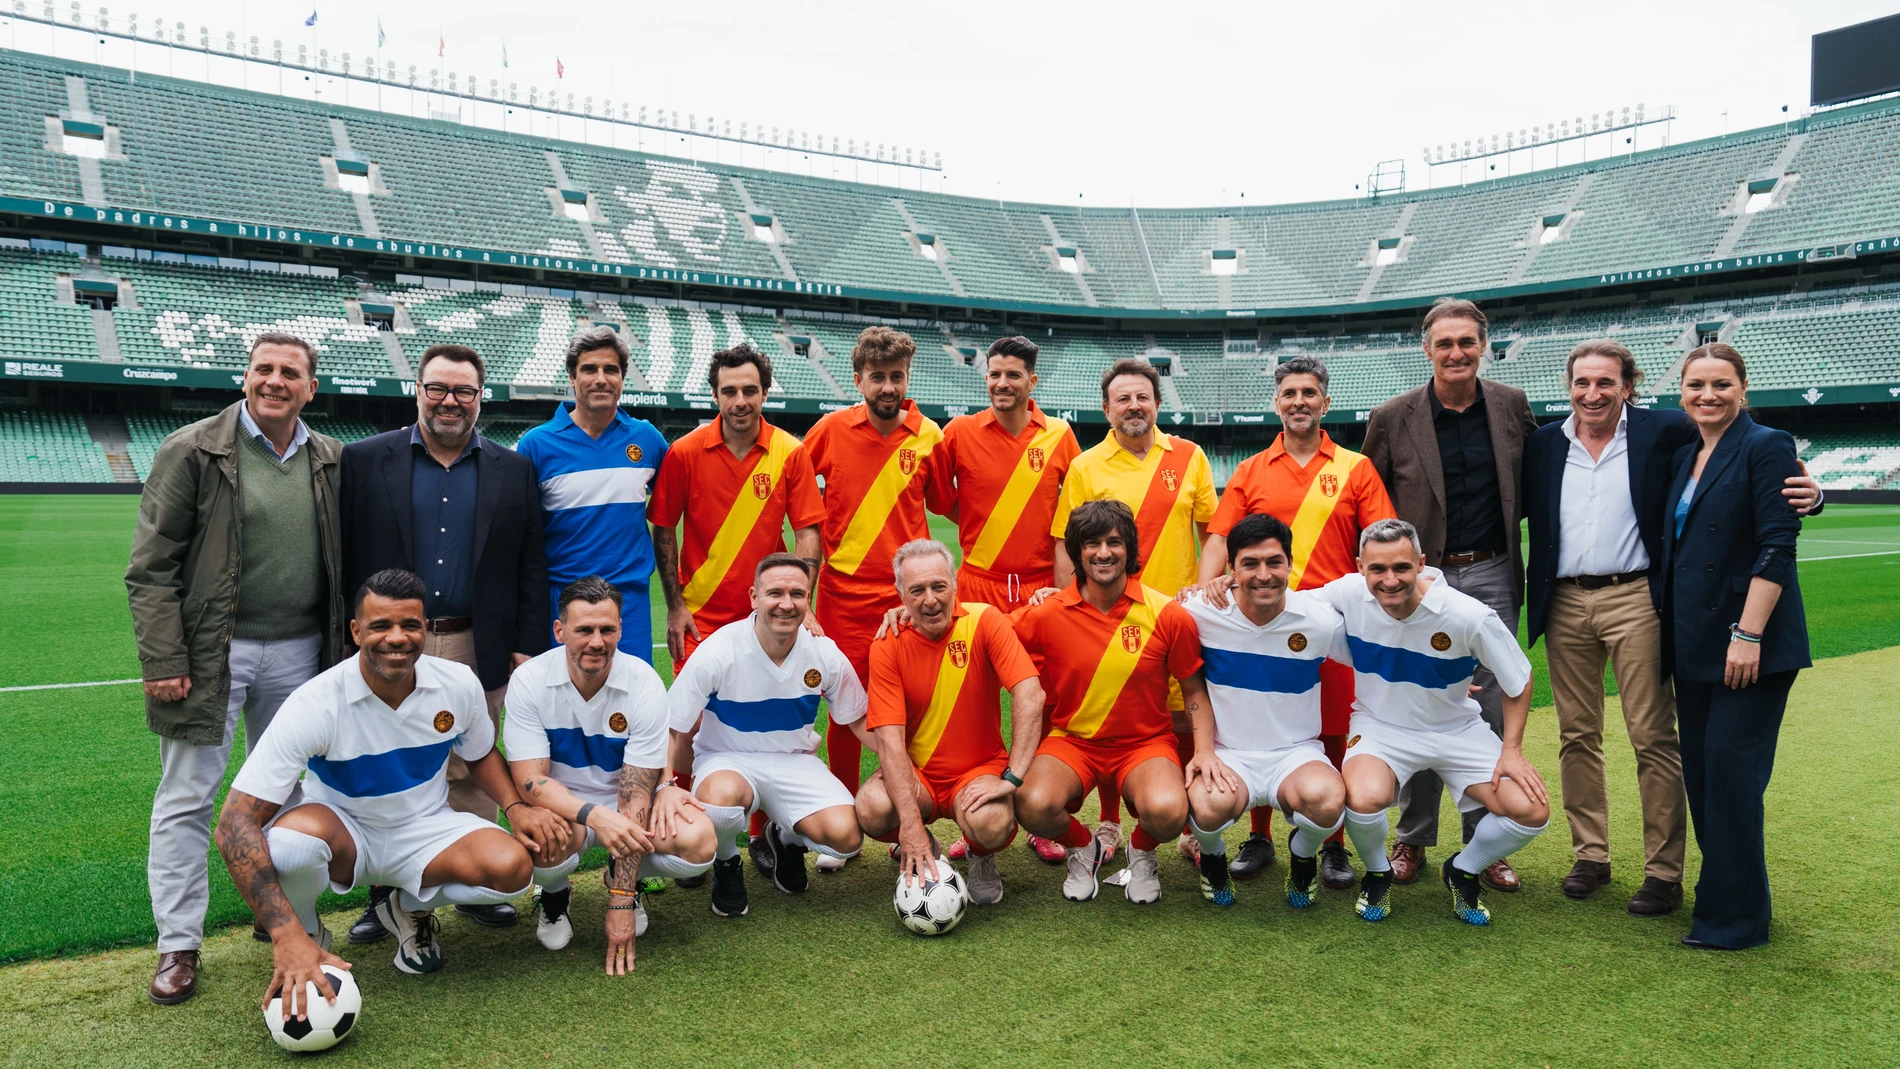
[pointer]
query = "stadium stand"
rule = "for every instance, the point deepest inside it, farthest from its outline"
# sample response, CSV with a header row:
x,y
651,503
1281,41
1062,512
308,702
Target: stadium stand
x,y
49,447
34,323
1856,460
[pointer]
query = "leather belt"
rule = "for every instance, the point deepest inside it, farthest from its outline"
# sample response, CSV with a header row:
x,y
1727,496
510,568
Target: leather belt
x,y
1598,582
1464,560
450,625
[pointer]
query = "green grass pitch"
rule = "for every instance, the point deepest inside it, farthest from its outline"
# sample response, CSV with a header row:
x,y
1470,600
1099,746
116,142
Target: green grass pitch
x,y
830,978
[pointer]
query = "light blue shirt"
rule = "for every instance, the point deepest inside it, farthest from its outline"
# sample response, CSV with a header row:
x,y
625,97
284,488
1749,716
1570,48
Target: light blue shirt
x,y
297,438
1682,507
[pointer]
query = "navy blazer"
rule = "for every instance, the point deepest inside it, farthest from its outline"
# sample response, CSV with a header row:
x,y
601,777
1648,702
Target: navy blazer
x,y
510,582
1739,526
1654,437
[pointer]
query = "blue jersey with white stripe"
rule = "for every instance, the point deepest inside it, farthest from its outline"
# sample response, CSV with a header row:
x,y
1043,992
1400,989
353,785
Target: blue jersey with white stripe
x,y
1264,681
586,742
752,705
1416,672
381,766
594,496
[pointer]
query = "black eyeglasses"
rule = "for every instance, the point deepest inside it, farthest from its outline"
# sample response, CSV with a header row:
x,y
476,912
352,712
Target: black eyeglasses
x,y
437,391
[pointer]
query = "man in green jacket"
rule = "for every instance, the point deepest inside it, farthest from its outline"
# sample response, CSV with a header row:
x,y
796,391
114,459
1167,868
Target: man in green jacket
x,y
235,590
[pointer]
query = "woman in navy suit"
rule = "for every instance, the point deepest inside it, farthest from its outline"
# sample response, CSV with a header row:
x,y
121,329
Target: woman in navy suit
x,y
1734,634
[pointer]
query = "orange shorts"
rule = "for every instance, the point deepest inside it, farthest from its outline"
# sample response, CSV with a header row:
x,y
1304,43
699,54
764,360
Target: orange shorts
x,y
851,615
1335,698
1001,590
1097,762
943,792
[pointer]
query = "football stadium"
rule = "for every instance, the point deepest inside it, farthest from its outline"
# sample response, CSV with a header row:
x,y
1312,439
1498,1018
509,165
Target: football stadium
x,y
155,227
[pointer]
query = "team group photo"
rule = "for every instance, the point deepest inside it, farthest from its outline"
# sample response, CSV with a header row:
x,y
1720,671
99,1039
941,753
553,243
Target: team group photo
x,y
726,633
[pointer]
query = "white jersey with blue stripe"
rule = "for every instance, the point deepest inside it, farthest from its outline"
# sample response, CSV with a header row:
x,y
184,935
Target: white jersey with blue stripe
x,y
1264,681
594,496
1416,672
754,706
381,766
586,742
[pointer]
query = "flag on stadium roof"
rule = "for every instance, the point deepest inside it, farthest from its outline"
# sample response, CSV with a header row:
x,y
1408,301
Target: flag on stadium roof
x,y
441,44
312,20
559,71
504,55
380,35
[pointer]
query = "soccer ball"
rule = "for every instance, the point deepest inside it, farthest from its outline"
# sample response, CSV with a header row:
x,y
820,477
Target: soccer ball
x,y
324,1025
934,906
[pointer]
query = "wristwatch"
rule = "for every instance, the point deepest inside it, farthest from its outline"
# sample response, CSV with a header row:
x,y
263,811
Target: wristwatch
x,y
1012,778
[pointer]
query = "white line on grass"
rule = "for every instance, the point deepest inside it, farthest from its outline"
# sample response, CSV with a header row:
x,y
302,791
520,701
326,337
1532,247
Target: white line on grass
x,y
63,686
1848,556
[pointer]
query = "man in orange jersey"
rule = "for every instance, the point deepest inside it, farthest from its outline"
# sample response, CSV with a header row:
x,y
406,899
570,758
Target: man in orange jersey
x,y
1327,494
1169,485
937,722
1005,466
874,459
1109,648
735,482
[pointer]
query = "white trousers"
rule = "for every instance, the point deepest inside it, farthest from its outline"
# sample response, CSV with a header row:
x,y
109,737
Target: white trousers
x,y
177,867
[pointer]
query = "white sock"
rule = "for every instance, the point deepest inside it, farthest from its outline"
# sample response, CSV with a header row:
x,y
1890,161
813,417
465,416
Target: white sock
x,y
1367,831
673,867
728,821
554,878
457,894
1495,837
1308,836
813,844
1211,841
303,870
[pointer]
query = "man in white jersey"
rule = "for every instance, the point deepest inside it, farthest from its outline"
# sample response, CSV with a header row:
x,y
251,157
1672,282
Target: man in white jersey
x,y
586,739
1413,643
1262,653
375,733
758,681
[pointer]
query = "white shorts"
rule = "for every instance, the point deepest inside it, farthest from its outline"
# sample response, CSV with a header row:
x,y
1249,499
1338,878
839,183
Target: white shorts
x,y
396,856
1263,771
788,786
1462,756
652,864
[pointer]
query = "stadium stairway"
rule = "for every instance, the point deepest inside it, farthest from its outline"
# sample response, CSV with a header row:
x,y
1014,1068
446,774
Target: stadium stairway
x,y
115,440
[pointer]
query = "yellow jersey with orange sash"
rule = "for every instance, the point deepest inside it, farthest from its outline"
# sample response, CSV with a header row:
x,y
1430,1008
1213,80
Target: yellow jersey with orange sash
x,y
1171,489
1107,675
1327,503
1006,490
734,511
946,694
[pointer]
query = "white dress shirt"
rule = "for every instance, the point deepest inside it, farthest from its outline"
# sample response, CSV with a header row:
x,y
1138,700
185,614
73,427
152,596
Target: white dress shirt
x,y
1598,533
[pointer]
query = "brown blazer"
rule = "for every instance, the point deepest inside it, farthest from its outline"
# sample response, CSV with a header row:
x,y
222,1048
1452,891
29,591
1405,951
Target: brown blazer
x,y
1403,447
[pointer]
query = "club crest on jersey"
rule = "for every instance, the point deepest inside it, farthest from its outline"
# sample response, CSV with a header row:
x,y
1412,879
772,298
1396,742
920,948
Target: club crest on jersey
x,y
959,653
1329,485
1354,741
634,454
444,720
907,461
617,722
1296,642
1170,480
762,485
1441,642
812,677
1131,638
1036,458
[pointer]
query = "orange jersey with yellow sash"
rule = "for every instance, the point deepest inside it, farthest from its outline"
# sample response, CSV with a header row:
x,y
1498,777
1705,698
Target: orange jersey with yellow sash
x,y
876,487
1006,490
946,694
1171,489
735,509
1327,503
1106,675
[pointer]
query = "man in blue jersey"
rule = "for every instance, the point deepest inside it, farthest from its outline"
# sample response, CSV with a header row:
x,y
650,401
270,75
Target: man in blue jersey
x,y
596,465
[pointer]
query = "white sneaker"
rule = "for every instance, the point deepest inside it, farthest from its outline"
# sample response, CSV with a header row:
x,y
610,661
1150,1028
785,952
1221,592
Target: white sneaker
x,y
417,951
1080,884
1144,877
552,925
986,884
639,914
827,863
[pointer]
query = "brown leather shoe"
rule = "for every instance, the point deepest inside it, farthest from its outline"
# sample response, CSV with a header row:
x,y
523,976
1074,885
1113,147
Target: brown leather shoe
x,y
176,979
1500,877
1585,878
1406,861
1655,898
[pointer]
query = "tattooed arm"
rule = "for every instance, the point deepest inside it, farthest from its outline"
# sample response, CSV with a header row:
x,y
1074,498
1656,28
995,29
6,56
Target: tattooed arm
x,y
1200,712
623,870
666,565
295,957
615,832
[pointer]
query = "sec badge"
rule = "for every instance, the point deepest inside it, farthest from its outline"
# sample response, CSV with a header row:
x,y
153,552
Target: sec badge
x,y
444,720
634,454
812,678
959,653
1131,638
617,722
1441,642
1296,642
761,485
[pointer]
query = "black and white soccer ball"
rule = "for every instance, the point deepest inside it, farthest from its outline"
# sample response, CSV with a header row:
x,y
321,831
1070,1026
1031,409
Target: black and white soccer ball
x,y
324,1024
934,906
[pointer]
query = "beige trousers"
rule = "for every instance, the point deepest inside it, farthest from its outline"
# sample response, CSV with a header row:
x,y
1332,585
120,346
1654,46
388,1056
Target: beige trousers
x,y
1617,623
464,796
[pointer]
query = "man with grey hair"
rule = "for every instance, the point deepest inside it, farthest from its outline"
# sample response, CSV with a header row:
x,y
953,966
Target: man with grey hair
x,y
1415,643
596,465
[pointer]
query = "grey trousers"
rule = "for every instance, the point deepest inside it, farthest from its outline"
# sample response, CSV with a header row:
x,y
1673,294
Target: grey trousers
x,y
177,866
1419,800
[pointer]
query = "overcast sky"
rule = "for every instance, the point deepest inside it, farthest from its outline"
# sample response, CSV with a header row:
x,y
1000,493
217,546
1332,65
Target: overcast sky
x,y
1181,103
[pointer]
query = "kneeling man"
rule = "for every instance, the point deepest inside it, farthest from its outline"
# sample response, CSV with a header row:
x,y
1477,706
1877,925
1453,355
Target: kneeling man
x,y
1106,647
936,721
375,733
1413,643
758,681
1263,651
586,739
